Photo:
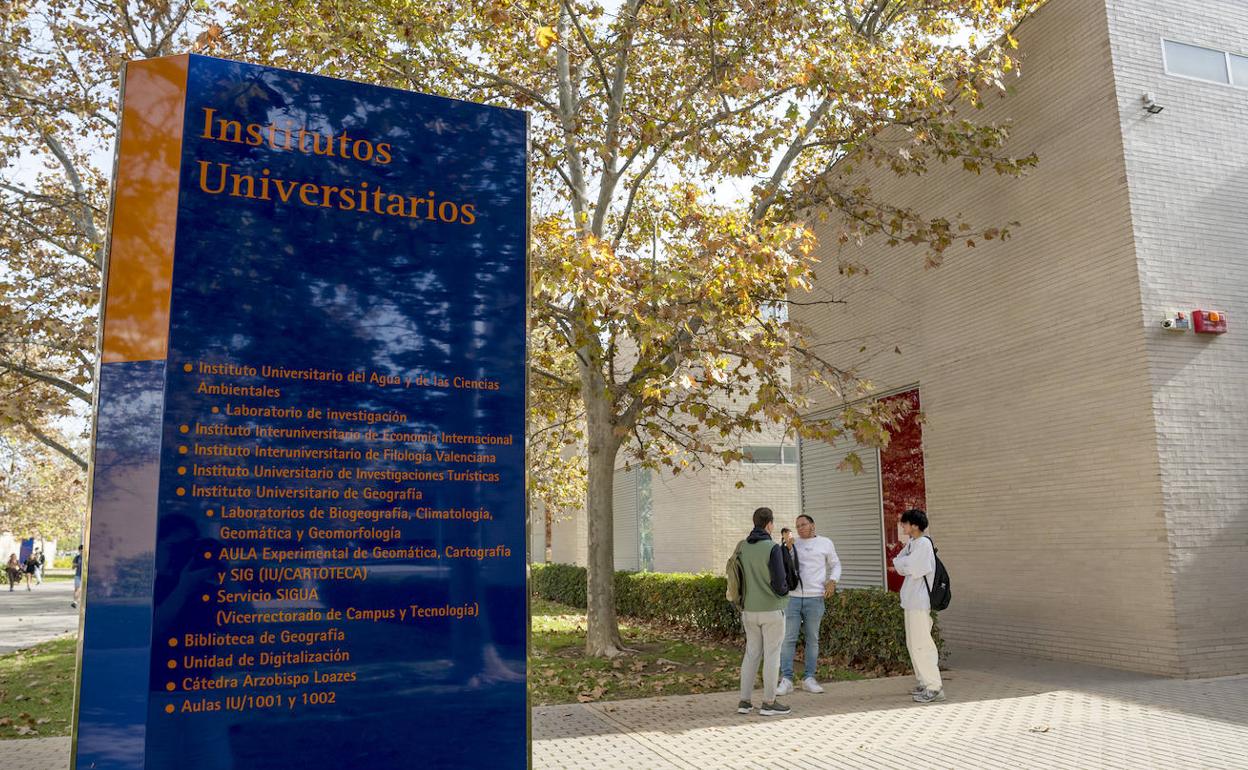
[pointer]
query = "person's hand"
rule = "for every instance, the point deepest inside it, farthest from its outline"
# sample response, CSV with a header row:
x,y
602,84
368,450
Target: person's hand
x,y
829,589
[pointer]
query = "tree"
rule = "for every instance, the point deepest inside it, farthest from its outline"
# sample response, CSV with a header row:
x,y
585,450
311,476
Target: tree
x,y
42,493
60,61
666,298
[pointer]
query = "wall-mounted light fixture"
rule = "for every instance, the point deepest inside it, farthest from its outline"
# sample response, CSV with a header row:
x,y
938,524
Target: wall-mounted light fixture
x,y
1150,104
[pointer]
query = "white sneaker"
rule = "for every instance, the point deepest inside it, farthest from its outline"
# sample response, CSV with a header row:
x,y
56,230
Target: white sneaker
x,y
785,687
810,685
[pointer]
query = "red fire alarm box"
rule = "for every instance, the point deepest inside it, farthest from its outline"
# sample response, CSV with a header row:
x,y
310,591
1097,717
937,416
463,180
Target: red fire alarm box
x,y
1208,322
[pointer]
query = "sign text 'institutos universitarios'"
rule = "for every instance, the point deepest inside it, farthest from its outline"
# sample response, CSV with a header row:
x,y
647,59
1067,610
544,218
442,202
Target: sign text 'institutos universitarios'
x,y
307,535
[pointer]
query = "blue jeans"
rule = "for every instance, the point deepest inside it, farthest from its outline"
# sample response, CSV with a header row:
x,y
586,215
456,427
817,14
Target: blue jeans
x,y
807,612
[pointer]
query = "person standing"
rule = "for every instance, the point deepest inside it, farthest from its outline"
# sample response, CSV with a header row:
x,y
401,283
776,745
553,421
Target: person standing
x,y
790,559
40,562
765,591
819,569
77,576
917,562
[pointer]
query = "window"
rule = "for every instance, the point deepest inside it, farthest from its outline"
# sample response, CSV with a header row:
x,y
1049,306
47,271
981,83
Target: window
x,y
1196,62
1239,70
770,455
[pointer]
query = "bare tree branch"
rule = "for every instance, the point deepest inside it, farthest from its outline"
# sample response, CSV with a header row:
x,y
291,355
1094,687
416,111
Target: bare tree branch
x,y
48,441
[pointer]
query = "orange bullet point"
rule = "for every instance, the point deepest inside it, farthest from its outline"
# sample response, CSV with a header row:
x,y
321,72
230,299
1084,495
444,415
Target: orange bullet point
x,y
169,709
204,597
208,513
207,554
172,664
169,687
181,491
185,429
173,642
215,410
181,450
187,367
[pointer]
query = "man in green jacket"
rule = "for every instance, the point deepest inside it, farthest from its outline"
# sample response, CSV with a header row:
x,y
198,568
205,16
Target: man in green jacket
x,y
765,589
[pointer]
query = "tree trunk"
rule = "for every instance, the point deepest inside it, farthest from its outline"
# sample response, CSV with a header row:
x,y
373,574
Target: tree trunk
x,y
602,637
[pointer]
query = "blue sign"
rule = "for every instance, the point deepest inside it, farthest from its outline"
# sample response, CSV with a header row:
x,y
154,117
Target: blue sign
x,y
339,555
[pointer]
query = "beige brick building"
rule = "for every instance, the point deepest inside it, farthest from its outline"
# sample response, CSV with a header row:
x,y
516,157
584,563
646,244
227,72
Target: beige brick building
x,y
690,522
1086,470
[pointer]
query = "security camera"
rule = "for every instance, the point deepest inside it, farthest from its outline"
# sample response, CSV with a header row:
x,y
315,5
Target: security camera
x,y
1168,323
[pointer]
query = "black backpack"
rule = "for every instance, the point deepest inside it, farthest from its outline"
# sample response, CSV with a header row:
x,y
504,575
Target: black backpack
x,y
938,590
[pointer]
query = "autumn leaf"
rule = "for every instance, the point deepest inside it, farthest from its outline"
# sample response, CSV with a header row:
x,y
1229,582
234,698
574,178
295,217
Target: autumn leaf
x,y
208,38
749,82
546,36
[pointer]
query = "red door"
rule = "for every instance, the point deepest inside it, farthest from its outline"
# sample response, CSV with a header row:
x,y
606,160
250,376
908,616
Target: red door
x,y
901,476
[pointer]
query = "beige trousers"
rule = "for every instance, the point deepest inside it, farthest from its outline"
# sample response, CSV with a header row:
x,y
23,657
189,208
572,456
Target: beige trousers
x,y
764,633
923,655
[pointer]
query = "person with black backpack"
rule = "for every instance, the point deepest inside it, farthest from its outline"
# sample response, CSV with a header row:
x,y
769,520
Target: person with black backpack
x,y
917,562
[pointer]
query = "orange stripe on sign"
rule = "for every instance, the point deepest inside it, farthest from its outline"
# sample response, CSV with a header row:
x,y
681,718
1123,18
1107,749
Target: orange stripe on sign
x,y
145,210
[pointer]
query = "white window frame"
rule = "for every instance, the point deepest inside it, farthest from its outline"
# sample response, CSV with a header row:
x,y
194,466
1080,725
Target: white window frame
x,y
1226,59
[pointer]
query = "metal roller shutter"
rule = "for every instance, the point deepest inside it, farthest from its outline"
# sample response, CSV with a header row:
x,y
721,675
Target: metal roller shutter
x,y
846,508
624,502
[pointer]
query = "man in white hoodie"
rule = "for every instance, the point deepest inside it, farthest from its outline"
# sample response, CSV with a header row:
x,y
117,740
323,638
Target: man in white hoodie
x,y
818,569
917,562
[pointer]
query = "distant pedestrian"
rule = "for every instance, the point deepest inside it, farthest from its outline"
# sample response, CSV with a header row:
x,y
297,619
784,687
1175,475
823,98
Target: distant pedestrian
x,y
13,570
819,569
40,562
917,562
765,590
32,566
790,559
77,576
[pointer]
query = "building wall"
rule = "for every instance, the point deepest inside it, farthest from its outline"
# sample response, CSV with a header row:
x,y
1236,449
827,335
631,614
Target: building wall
x,y
568,539
681,522
698,517
1188,177
1040,452
537,532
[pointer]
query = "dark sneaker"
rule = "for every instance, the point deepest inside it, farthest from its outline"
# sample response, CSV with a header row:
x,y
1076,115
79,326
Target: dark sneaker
x,y
745,707
930,696
774,709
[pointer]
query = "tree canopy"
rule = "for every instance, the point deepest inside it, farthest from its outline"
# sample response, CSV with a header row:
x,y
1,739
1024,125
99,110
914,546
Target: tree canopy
x,y
60,62
680,151
665,295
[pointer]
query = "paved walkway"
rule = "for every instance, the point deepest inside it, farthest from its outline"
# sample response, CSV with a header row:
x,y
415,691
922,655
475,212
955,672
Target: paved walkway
x,y
1002,712
30,617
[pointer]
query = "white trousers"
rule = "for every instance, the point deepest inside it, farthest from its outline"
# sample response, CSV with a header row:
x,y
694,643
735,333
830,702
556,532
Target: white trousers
x,y
764,633
923,654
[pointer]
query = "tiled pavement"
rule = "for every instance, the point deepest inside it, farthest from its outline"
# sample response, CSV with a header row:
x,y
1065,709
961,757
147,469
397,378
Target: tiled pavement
x,y
1002,712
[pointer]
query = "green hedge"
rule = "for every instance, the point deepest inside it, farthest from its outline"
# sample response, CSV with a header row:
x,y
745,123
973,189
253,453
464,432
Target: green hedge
x,y
863,628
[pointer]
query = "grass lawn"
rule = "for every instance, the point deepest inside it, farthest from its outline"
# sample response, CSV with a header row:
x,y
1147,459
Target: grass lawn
x,y
37,690
666,662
